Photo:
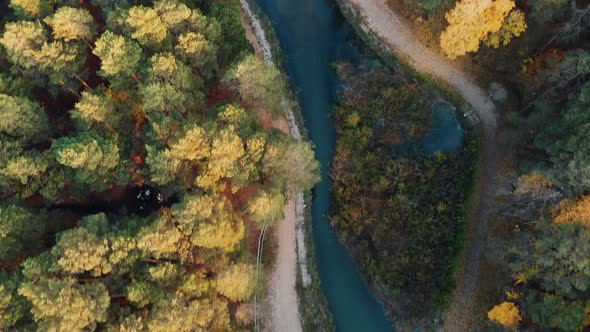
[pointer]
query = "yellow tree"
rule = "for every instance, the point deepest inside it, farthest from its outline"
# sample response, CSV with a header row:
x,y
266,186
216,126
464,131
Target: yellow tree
x,y
193,146
227,149
506,313
209,222
236,282
472,22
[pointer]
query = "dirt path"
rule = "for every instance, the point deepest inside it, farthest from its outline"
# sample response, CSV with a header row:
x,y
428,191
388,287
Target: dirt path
x,y
386,24
282,295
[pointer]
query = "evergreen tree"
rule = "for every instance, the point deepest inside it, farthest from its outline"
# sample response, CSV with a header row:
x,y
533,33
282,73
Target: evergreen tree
x,y
65,305
120,58
564,141
20,230
22,120
209,222
72,24
291,164
236,282
146,27
198,51
259,84
14,308
92,157
23,41
266,206
95,107
30,9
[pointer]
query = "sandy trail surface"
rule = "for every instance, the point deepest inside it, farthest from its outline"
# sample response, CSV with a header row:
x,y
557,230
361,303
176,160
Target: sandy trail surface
x,y
381,20
282,295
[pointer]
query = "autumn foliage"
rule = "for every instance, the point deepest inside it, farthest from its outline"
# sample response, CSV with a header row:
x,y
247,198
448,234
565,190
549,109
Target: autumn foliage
x,y
472,22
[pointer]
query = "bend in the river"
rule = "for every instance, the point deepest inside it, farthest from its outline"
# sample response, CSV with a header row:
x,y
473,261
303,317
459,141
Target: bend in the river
x,y
312,34
380,19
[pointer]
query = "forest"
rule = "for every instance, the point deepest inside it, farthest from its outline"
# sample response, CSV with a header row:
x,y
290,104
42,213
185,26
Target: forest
x,y
399,210
536,266
135,172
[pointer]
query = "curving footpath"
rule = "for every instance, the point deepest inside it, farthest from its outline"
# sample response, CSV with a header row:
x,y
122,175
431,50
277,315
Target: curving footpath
x,y
391,29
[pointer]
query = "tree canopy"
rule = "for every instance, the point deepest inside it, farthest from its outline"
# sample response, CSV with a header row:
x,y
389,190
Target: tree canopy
x,y
472,22
126,163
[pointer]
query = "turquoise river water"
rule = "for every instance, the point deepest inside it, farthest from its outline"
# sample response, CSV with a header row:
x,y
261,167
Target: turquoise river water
x,y
313,35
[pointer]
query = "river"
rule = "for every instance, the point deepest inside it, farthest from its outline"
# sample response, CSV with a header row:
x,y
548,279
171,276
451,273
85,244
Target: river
x,y
313,34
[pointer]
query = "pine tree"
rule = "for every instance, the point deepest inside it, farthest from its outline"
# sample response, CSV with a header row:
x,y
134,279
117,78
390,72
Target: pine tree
x,y
13,307
65,305
120,58
266,206
72,24
291,165
146,27
95,108
30,9
259,84
92,157
236,282
22,120
20,230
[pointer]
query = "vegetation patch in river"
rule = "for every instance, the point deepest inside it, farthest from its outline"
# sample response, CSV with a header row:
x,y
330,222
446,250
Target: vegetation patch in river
x,y
401,214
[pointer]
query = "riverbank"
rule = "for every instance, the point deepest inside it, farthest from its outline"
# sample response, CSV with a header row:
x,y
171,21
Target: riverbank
x,y
389,34
307,309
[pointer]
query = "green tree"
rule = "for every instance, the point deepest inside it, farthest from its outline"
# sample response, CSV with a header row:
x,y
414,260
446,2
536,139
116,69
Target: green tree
x,y
28,47
178,314
557,260
259,84
227,149
266,206
29,9
291,164
234,43
92,157
198,51
13,307
146,27
193,145
162,238
22,120
80,250
24,173
61,61
20,229
65,305
552,312
95,107
72,24
23,41
171,86
119,56
564,141
174,14
546,10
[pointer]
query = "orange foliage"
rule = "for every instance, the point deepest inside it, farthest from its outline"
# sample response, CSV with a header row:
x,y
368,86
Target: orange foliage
x,y
574,211
506,313
534,182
